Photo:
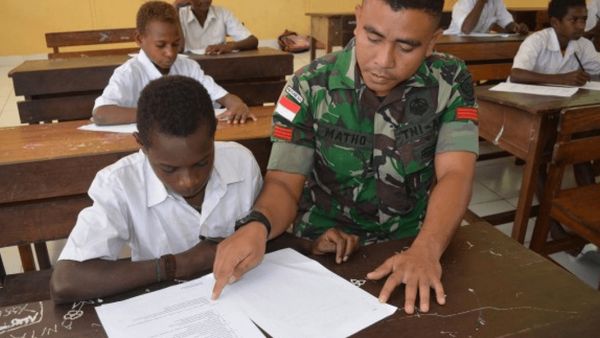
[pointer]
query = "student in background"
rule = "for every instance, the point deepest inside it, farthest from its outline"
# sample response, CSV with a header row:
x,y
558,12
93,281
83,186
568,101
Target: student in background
x,y
159,38
179,186
206,27
481,16
592,25
360,136
558,54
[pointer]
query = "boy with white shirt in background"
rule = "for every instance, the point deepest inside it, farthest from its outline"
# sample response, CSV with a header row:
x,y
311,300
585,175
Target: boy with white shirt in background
x,y
592,25
481,16
206,27
168,202
558,54
158,35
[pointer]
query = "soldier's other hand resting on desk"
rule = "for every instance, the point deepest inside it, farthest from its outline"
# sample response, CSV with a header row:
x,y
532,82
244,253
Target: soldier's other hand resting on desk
x,y
359,138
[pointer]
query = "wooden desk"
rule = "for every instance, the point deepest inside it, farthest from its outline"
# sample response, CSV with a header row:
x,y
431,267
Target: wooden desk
x,y
65,89
332,29
528,124
46,169
495,287
488,58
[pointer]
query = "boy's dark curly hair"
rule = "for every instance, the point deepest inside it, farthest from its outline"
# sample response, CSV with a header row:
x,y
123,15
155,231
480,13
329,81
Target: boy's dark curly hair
x,y
155,10
174,105
559,8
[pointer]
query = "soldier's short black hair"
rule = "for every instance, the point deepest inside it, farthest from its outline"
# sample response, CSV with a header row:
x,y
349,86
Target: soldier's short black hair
x,y
155,11
176,106
559,8
433,7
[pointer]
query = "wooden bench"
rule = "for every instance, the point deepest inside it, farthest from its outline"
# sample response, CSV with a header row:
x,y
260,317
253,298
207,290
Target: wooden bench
x,y
90,38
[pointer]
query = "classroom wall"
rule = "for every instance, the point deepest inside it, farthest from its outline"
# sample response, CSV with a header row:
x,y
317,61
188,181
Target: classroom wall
x,y
23,24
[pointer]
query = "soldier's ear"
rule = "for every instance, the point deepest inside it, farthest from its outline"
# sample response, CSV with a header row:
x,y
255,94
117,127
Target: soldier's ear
x,y
434,39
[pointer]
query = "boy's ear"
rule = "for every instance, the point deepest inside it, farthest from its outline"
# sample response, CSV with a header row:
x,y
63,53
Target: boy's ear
x,y
138,139
138,37
554,22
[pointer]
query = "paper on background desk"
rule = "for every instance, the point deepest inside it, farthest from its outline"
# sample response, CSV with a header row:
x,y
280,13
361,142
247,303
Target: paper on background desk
x,y
489,35
287,295
591,85
534,89
125,128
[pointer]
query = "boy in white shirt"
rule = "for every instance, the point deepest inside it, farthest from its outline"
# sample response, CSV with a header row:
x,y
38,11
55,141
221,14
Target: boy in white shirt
x,y
592,25
480,16
165,201
559,54
159,37
205,27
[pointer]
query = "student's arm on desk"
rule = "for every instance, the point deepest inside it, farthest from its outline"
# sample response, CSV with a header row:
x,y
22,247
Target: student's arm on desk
x,y
419,267
242,251
73,281
473,17
574,78
248,43
113,114
237,110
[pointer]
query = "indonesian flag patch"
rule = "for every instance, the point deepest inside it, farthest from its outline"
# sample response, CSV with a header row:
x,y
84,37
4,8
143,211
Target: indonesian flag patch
x,y
467,113
287,108
282,133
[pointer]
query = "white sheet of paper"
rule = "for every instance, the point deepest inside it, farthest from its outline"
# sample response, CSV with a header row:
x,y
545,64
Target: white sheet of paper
x,y
290,295
535,89
126,128
183,310
201,51
592,85
489,35
132,55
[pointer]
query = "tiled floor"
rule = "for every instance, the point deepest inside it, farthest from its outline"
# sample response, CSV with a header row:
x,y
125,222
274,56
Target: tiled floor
x,y
496,186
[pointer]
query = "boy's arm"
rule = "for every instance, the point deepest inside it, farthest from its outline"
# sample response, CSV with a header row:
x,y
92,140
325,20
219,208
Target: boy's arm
x,y
113,114
73,280
248,43
574,78
519,28
473,17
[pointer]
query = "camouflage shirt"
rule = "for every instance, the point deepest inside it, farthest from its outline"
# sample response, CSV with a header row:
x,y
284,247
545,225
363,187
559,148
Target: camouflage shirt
x,y
369,160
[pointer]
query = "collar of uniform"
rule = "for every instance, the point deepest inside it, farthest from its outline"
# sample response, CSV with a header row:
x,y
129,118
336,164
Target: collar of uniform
x,y
552,43
156,192
148,65
191,17
342,74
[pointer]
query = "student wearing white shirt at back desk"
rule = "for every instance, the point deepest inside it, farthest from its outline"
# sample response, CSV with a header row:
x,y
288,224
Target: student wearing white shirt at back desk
x,y
592,25
559,54
206,27
479,16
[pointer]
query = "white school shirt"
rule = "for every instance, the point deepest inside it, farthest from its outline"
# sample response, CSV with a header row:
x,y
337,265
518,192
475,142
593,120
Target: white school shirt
x,y
132,206
493,11
540,53
219,24
593,7
128,80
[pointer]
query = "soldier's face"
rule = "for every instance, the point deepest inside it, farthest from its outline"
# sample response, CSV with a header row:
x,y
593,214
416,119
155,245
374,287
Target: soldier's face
x,y
391,45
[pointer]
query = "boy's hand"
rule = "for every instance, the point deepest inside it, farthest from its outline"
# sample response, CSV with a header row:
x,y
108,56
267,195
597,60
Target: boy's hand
x,y
576,78
237,110
417,269
219,49
334,240
521,28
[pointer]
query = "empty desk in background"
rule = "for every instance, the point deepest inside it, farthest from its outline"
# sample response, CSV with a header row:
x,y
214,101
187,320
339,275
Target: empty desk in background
x,y
331,29
495,288
65,89
488,58
524,125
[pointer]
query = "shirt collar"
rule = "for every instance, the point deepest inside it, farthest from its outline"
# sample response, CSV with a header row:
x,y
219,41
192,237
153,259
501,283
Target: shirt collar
x,y
148,65
210,16
221,176
554,45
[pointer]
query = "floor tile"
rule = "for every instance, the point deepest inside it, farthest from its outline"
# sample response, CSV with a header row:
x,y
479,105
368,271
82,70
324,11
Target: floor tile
x,y
490,208
482,194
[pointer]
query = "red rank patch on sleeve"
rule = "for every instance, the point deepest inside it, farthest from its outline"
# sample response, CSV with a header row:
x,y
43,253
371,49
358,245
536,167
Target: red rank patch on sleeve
x,y
282,133
467,113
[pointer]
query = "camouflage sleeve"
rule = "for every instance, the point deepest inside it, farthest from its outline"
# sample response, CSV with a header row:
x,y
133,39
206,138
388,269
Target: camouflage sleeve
x,y
293,134
459,130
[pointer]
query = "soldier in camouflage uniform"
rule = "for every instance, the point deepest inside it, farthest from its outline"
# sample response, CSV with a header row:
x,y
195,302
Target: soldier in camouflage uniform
x,y
360,136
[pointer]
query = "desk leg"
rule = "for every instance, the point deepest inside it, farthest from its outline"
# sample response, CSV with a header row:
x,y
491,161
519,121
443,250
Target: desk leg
x,y
313,48
539,135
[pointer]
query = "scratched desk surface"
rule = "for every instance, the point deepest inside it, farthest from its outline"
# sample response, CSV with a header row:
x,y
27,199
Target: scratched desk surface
x,y
495,288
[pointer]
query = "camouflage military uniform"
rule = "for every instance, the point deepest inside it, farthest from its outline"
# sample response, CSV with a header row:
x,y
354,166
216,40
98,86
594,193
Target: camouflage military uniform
x,y
369,162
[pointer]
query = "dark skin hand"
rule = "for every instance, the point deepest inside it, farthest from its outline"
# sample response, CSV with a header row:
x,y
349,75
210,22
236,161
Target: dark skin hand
x,y
574,78
73,281
335,241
